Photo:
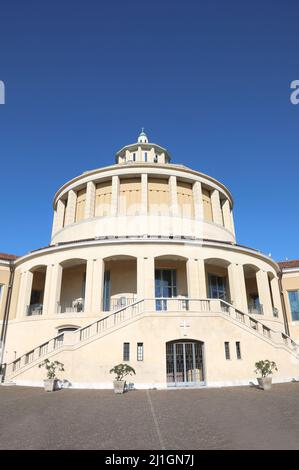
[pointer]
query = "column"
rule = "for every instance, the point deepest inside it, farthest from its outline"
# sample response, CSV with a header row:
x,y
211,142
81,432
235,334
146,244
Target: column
x,y
115,195
216,207
196,275
232,279
54,226
227,215
197,198
71,207
58,216
97,285
20,296
173,196
90,200
47,292
145,278
276,295
237,286
264,292
88,286
232,222
192,278
144,196
56,279
24,293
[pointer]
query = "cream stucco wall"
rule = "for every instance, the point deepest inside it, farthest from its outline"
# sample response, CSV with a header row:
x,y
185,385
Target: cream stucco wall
x,y
130,219
4,280
161,199
89,364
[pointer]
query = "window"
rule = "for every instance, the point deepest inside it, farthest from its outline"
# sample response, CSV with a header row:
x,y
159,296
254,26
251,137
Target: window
x,y
139,351
145,156
156,159
65,329
126,352
165,287
106,294
254,304
227,351
134,157
294,304
1,287
238,350
217,287
165,283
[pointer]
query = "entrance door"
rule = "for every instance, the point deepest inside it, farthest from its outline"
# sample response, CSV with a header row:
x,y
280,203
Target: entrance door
x,y
184,363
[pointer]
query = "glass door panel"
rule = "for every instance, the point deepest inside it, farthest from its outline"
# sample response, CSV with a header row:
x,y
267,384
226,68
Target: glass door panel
x,y
165,287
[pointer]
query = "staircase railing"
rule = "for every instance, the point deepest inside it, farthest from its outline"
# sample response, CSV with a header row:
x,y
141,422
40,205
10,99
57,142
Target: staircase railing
x,y
43,349
158,305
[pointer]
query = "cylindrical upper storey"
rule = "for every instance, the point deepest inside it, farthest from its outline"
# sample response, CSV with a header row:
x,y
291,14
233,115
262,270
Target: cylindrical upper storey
x,y
143,195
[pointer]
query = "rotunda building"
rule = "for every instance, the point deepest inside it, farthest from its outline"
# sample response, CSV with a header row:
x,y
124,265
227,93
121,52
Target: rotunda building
x,y
143,267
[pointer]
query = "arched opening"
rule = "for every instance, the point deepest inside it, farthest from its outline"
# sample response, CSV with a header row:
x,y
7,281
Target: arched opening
x,y
217,279
73,281
184,363
35,306
67,328
170,280
252,292
120,282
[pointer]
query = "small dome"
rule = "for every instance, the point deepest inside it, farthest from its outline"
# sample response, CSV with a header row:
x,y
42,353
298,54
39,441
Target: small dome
x,y
142,137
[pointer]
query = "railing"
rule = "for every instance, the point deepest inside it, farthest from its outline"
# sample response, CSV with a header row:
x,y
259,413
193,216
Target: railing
x,y
109,321
34,309
75,306
38,352
161,306
120,302
289,342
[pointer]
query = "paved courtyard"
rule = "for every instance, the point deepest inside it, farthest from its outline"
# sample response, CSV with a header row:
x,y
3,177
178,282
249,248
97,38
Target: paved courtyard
x,y
228,418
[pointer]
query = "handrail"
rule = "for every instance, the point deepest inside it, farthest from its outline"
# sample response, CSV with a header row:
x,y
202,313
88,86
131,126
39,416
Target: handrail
x,y
39,351
102,320
128,312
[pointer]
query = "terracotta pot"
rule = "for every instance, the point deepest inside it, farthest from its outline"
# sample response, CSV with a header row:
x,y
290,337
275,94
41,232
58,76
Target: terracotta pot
x,y
50,385
119,386
265,382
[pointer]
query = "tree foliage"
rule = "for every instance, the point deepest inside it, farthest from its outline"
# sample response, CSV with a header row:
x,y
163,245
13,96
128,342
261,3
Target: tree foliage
x,y
52,367
265,367
121,371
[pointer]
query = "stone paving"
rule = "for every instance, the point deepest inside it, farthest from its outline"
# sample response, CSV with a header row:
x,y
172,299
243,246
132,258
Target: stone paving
x,y
226,418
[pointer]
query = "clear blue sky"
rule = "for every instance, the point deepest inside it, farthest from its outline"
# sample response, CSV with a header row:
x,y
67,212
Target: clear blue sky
x,y
209,80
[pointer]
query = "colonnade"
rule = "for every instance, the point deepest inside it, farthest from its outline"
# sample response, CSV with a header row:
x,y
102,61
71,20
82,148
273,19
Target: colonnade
x,y
65,211
196,275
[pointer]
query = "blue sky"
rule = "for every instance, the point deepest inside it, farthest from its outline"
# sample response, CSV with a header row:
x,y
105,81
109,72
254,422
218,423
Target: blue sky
x,y
208,80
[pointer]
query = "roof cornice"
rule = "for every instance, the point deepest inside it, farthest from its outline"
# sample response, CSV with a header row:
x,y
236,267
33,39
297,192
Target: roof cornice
x,y
114,241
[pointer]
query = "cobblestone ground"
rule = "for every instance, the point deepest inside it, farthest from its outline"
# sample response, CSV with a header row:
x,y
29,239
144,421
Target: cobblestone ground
x,y
227,418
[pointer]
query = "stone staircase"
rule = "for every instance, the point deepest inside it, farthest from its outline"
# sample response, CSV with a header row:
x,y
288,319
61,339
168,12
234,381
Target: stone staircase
x,y
135,311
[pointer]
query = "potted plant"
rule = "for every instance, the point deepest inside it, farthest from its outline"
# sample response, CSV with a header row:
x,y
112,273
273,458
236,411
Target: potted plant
x,y
121,371
265,369
51,382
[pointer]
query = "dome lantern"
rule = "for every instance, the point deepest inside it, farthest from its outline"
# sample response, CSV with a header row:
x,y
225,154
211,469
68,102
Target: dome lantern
x,y
142,137
142,151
